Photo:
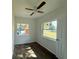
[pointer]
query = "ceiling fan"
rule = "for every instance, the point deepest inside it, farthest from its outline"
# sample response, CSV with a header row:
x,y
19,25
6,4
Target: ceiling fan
x,y
36,9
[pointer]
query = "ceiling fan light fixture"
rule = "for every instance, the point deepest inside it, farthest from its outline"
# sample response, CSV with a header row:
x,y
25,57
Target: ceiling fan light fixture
x,y
36,8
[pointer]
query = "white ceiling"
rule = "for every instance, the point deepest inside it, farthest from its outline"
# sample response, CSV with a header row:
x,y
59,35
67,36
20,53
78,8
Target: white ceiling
x,y
20,5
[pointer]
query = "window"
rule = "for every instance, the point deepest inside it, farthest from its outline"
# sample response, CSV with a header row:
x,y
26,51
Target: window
x,y
50,29
23,29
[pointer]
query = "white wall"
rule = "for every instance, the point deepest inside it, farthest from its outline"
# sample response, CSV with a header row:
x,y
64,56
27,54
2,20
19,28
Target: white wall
x,y
64,36
24,39
12,33
13,30
60,15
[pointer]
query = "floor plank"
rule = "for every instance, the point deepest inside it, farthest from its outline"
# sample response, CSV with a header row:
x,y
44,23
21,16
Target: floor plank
x,y
31,51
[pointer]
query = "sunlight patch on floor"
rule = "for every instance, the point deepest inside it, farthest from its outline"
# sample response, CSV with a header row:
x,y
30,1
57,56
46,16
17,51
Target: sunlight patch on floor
x,y
27,53
31,52
20,55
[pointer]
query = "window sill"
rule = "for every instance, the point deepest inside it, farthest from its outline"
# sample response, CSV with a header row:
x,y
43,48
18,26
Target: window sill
x,y
49,38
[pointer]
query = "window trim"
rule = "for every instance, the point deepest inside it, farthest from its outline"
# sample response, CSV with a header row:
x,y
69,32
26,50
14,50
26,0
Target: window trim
x,y
42,28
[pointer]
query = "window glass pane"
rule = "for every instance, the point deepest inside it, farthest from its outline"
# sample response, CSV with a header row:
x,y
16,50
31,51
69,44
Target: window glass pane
x,y
22,29
50,29
46,25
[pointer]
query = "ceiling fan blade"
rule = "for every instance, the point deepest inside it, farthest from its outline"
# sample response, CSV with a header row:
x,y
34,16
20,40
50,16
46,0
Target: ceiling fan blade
x,y
40,11
32,13
29,9
43,3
